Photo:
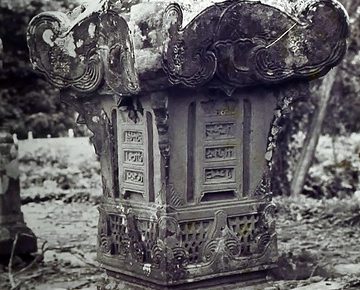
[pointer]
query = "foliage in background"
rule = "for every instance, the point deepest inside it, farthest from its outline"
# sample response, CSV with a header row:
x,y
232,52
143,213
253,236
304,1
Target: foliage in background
x,y
27,101
59,170
344,112
342,119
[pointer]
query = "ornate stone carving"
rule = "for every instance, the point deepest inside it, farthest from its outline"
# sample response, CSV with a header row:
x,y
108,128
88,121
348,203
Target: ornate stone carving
x,y
167,253
168,195
222,175
220,153
104,242
240,44
83,48
264,187
163,179
288,94
136,245
266,226
222,242
92,114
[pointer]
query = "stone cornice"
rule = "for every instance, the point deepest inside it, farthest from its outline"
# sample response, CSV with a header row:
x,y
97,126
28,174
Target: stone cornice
x,y
154,45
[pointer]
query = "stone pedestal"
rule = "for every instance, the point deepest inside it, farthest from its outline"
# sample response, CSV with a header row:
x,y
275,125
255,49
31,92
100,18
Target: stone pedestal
x,y
11,218
185,105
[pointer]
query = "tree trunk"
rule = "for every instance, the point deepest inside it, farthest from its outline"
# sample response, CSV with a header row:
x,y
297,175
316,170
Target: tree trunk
x,y
312,136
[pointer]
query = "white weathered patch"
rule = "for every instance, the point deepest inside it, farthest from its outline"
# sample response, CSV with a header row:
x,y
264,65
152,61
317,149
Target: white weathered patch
x,y
4,184
67,44
147,269
47,37
79,43
91,30
95,119
12,169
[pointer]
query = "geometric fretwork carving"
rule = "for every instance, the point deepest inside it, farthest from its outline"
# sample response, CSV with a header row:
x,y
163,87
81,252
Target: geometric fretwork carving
x,y
118,230
244,228
164,241
149,231
193,237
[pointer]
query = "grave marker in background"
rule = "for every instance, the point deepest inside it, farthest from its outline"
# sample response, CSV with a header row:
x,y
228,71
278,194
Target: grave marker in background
x,y
11,218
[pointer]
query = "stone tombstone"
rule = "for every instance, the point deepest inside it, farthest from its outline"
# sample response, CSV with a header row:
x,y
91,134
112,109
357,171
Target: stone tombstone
x,y
185,102
11,218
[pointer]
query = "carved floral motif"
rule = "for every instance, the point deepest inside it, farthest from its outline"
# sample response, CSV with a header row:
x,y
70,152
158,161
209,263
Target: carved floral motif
x,y
222,242
240,44
83,48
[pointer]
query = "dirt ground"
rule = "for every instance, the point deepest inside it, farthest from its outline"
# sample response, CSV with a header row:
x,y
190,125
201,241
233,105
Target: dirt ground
x,y
318,239
318,247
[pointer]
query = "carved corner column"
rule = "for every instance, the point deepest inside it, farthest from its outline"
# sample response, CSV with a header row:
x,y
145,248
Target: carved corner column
x,y
185,110
11,218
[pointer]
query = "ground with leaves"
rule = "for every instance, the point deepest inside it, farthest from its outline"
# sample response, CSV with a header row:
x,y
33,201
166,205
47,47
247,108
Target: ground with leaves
x,y
318,239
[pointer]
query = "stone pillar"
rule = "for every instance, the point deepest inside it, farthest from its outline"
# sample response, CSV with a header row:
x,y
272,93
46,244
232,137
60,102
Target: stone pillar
x,y
11,218
185,105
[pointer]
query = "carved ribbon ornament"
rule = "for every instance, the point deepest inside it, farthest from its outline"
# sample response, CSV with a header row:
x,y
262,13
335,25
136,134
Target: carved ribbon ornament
x,y
80,50
244,43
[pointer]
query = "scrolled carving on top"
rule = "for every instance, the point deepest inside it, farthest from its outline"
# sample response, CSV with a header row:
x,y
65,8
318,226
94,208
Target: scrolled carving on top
x,y
87,49
244,43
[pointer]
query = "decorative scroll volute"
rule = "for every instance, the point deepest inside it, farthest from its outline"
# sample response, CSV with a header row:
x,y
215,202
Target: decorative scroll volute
x,y
245,43
82,49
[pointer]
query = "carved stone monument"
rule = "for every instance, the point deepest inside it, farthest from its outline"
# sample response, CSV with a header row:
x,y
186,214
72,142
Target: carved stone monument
x,y
185,102
11,218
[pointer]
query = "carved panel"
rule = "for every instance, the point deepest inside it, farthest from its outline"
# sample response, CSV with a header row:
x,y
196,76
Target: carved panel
x,y
220,130
220,153
133,137
219,175
135,156
164,242
218,148
193,238
244,228
135,177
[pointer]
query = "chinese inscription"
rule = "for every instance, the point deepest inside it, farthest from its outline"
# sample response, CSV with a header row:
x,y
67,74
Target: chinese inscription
x,y
135,156
135,177
134,137
220,153
219,175
220,131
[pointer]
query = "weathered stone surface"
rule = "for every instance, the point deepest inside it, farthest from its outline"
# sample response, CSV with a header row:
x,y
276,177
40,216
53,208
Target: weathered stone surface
x,y
186,108
240,44
83,48
11,217
235,43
